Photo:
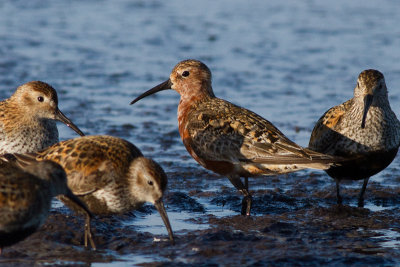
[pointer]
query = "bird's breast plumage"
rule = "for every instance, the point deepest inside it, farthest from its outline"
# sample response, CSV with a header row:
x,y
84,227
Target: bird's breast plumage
x,y
339,132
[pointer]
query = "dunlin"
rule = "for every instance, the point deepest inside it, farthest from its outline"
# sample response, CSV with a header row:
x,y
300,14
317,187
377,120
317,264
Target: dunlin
x,y
364,128
110,175
25,198
230,140
27,119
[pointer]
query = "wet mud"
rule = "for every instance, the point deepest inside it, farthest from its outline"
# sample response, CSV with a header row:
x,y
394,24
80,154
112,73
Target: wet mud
x,y
299,226
288,61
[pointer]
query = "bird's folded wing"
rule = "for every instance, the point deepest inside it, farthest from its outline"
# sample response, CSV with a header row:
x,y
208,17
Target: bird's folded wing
x,y
218,135
82,184
324,135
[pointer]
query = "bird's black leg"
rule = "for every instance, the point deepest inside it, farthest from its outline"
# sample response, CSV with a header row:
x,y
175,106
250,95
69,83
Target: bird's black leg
x,y
243,188
339,198
246,183
361,195
88,231
81,209
247,200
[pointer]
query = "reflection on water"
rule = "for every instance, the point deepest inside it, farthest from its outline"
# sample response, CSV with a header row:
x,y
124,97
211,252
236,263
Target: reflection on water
x,y
373,207
388,238
179,221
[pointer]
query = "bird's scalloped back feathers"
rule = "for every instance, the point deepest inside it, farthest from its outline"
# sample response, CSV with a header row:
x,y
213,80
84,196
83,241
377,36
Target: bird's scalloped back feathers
x,y
87,154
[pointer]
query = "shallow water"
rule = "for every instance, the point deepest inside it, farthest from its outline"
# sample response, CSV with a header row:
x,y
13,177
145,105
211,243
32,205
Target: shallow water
x,y
289,61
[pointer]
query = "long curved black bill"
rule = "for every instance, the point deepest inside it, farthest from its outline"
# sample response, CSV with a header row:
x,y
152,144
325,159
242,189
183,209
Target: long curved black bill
x,y
367,104
61,117
161,209
162,86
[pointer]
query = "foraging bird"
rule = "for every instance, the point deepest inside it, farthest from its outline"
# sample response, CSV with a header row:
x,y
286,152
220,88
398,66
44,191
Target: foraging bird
x,y
25,198
109,174
230,140
27,119
364,127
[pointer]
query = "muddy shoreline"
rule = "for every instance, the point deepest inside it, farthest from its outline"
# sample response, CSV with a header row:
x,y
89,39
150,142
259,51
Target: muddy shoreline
x,y
296,227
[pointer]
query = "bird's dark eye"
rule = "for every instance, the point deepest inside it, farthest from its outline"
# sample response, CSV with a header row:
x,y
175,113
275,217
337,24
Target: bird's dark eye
x,y
150,182
40,98
185,73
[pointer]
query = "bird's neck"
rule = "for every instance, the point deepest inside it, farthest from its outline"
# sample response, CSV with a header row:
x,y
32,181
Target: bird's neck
x,y
189,102
381,101
14,118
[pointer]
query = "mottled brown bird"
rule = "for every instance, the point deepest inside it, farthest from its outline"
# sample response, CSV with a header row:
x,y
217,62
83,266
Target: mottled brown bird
x,y
27,119
364,128
230,140
109,174
25,198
